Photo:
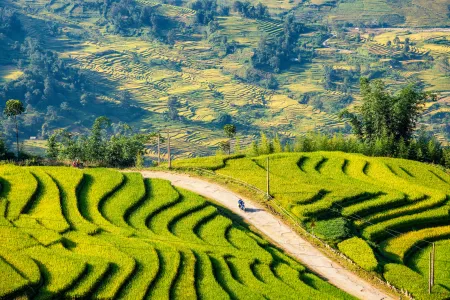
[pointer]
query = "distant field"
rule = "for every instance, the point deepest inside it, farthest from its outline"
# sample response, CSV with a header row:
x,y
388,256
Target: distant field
x,y
102,234
416,13
8,73
210,83
396,207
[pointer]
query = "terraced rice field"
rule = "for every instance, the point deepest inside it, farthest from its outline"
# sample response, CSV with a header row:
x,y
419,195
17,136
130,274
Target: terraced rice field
x,y
102,234
417,13
208,83
395,207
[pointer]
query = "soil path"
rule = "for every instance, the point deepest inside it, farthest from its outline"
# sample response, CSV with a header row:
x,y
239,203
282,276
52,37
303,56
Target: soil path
x,y
278,232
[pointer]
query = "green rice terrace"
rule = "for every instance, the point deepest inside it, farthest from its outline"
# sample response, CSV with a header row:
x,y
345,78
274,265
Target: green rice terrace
x,y
102,234
382,213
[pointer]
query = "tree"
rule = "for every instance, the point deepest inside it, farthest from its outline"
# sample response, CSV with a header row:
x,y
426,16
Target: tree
x,y
383,115
171,35
96,144
443,65
265,146
13,109
396,40
3,149
225,147
172,105
406,47
139,164
230,132
52,147
277,147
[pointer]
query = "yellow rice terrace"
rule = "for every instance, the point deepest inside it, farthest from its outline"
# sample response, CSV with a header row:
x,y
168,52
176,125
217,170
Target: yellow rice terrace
x,y
102,234
382,213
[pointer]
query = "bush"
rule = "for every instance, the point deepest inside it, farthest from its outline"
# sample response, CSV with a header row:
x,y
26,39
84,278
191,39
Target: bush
x,y
333,230
360,252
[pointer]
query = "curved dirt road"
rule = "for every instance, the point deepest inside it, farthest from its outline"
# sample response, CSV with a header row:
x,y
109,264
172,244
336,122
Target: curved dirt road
x,y
279,233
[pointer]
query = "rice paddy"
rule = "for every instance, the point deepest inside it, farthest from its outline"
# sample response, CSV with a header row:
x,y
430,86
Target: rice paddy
x,y
393,208
100,234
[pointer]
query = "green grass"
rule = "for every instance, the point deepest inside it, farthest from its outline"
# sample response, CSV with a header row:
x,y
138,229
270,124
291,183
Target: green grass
x,y
442,265
400,247
18,188
97,186
22,264
129,238
116,207
404,277
46,208
360,252
59,272
68,181
11,281
393,205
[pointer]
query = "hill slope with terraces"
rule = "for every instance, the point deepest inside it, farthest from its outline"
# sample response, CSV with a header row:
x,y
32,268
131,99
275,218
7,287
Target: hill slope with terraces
x,y
130,77
382,213
102,234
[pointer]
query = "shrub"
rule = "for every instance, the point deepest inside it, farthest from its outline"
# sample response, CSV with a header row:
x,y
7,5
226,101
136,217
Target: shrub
x,y
332,230
360,252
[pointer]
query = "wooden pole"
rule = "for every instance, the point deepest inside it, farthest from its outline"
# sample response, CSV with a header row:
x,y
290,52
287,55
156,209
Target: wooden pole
x,y
429,273
159,148
432,265
268,179
168,150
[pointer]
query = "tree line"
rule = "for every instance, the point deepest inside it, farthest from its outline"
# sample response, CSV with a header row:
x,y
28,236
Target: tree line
x,y
276,54
424,148
105,144
384,125
101,146
248,10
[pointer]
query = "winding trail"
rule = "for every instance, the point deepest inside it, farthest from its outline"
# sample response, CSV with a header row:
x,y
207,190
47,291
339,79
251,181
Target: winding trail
x,y
279,233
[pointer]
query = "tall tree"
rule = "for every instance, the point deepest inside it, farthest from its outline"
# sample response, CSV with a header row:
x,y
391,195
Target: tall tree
x,y
230,132
52,146
384,115
13,109
96,143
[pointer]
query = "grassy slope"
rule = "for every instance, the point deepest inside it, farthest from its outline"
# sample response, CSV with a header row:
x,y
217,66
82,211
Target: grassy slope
x,y
161,242
393,204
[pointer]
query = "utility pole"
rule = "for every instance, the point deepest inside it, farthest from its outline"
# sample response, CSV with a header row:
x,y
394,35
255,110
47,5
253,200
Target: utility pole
x,y
168,149
429,273
159,148
431,269
432,266
268,179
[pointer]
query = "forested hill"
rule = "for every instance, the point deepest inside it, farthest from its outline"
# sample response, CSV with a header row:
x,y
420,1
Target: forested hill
x,y
286,67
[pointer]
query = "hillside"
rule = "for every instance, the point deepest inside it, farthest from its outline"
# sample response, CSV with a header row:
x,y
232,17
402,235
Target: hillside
x,y
382,213
102,234
191,75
